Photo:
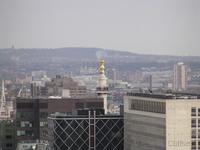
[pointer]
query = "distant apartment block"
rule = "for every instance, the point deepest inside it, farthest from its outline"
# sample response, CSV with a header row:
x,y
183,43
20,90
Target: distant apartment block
x,y
112,73
180,77
161,122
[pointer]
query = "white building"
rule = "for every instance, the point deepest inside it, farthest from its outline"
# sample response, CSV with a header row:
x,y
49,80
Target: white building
x,y
180,76
102,87
160,122
6,107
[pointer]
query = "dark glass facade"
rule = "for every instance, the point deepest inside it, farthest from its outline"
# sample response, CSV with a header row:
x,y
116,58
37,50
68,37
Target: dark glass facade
x,y
86,132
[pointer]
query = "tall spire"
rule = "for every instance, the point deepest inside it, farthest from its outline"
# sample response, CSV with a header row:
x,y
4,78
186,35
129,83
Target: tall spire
x,y
102,87
3,106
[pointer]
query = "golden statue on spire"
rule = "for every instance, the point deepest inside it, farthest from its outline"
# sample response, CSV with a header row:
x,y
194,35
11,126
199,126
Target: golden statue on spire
x,y
102,67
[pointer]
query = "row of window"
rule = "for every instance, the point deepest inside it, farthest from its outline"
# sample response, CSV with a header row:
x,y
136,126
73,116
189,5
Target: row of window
x,y
89,104
25,133
24,114
24,105
30,105
60,114
149,106
24,124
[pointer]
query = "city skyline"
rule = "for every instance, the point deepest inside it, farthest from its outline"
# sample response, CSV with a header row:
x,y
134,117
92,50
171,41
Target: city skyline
x,y
145,27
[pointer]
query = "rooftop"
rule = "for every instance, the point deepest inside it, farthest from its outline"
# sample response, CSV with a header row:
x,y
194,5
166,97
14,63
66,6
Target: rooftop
x,y
167,96
85,117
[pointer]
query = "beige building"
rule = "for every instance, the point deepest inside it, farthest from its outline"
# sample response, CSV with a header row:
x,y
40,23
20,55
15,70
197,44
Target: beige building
x,y
160,122
180,77
59,85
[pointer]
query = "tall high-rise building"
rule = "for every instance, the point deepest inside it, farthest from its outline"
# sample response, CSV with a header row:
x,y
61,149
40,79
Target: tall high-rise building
x,y
113,73
102,87
180,76
161,122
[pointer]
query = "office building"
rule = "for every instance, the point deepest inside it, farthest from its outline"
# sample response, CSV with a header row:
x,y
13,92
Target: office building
x,y
32,113
180,77
161,122
88,130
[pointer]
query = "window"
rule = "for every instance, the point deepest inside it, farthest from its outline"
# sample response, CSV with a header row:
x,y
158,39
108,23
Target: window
x,y
193,135
26,124
193,111
199,134
149,106
8,131
43,115
193,145
21,133
29,133
199,122
43,133
8,136
43,124
95,104
25,133
8,144
193,123
24,115
199,112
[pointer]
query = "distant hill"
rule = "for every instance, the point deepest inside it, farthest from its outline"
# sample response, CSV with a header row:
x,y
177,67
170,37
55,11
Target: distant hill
x,y
72,58
92,54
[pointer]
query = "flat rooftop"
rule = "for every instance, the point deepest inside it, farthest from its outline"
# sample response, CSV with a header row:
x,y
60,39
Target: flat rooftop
x,y
167,96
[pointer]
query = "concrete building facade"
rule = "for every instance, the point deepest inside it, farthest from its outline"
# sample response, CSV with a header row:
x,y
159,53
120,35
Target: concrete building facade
x,y
160,122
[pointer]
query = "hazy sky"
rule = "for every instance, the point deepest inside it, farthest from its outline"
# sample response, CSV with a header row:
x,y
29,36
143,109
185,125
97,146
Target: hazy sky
x,y
140,26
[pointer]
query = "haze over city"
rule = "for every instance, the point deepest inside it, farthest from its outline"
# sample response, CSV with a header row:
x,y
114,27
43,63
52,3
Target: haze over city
x,y
139,26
